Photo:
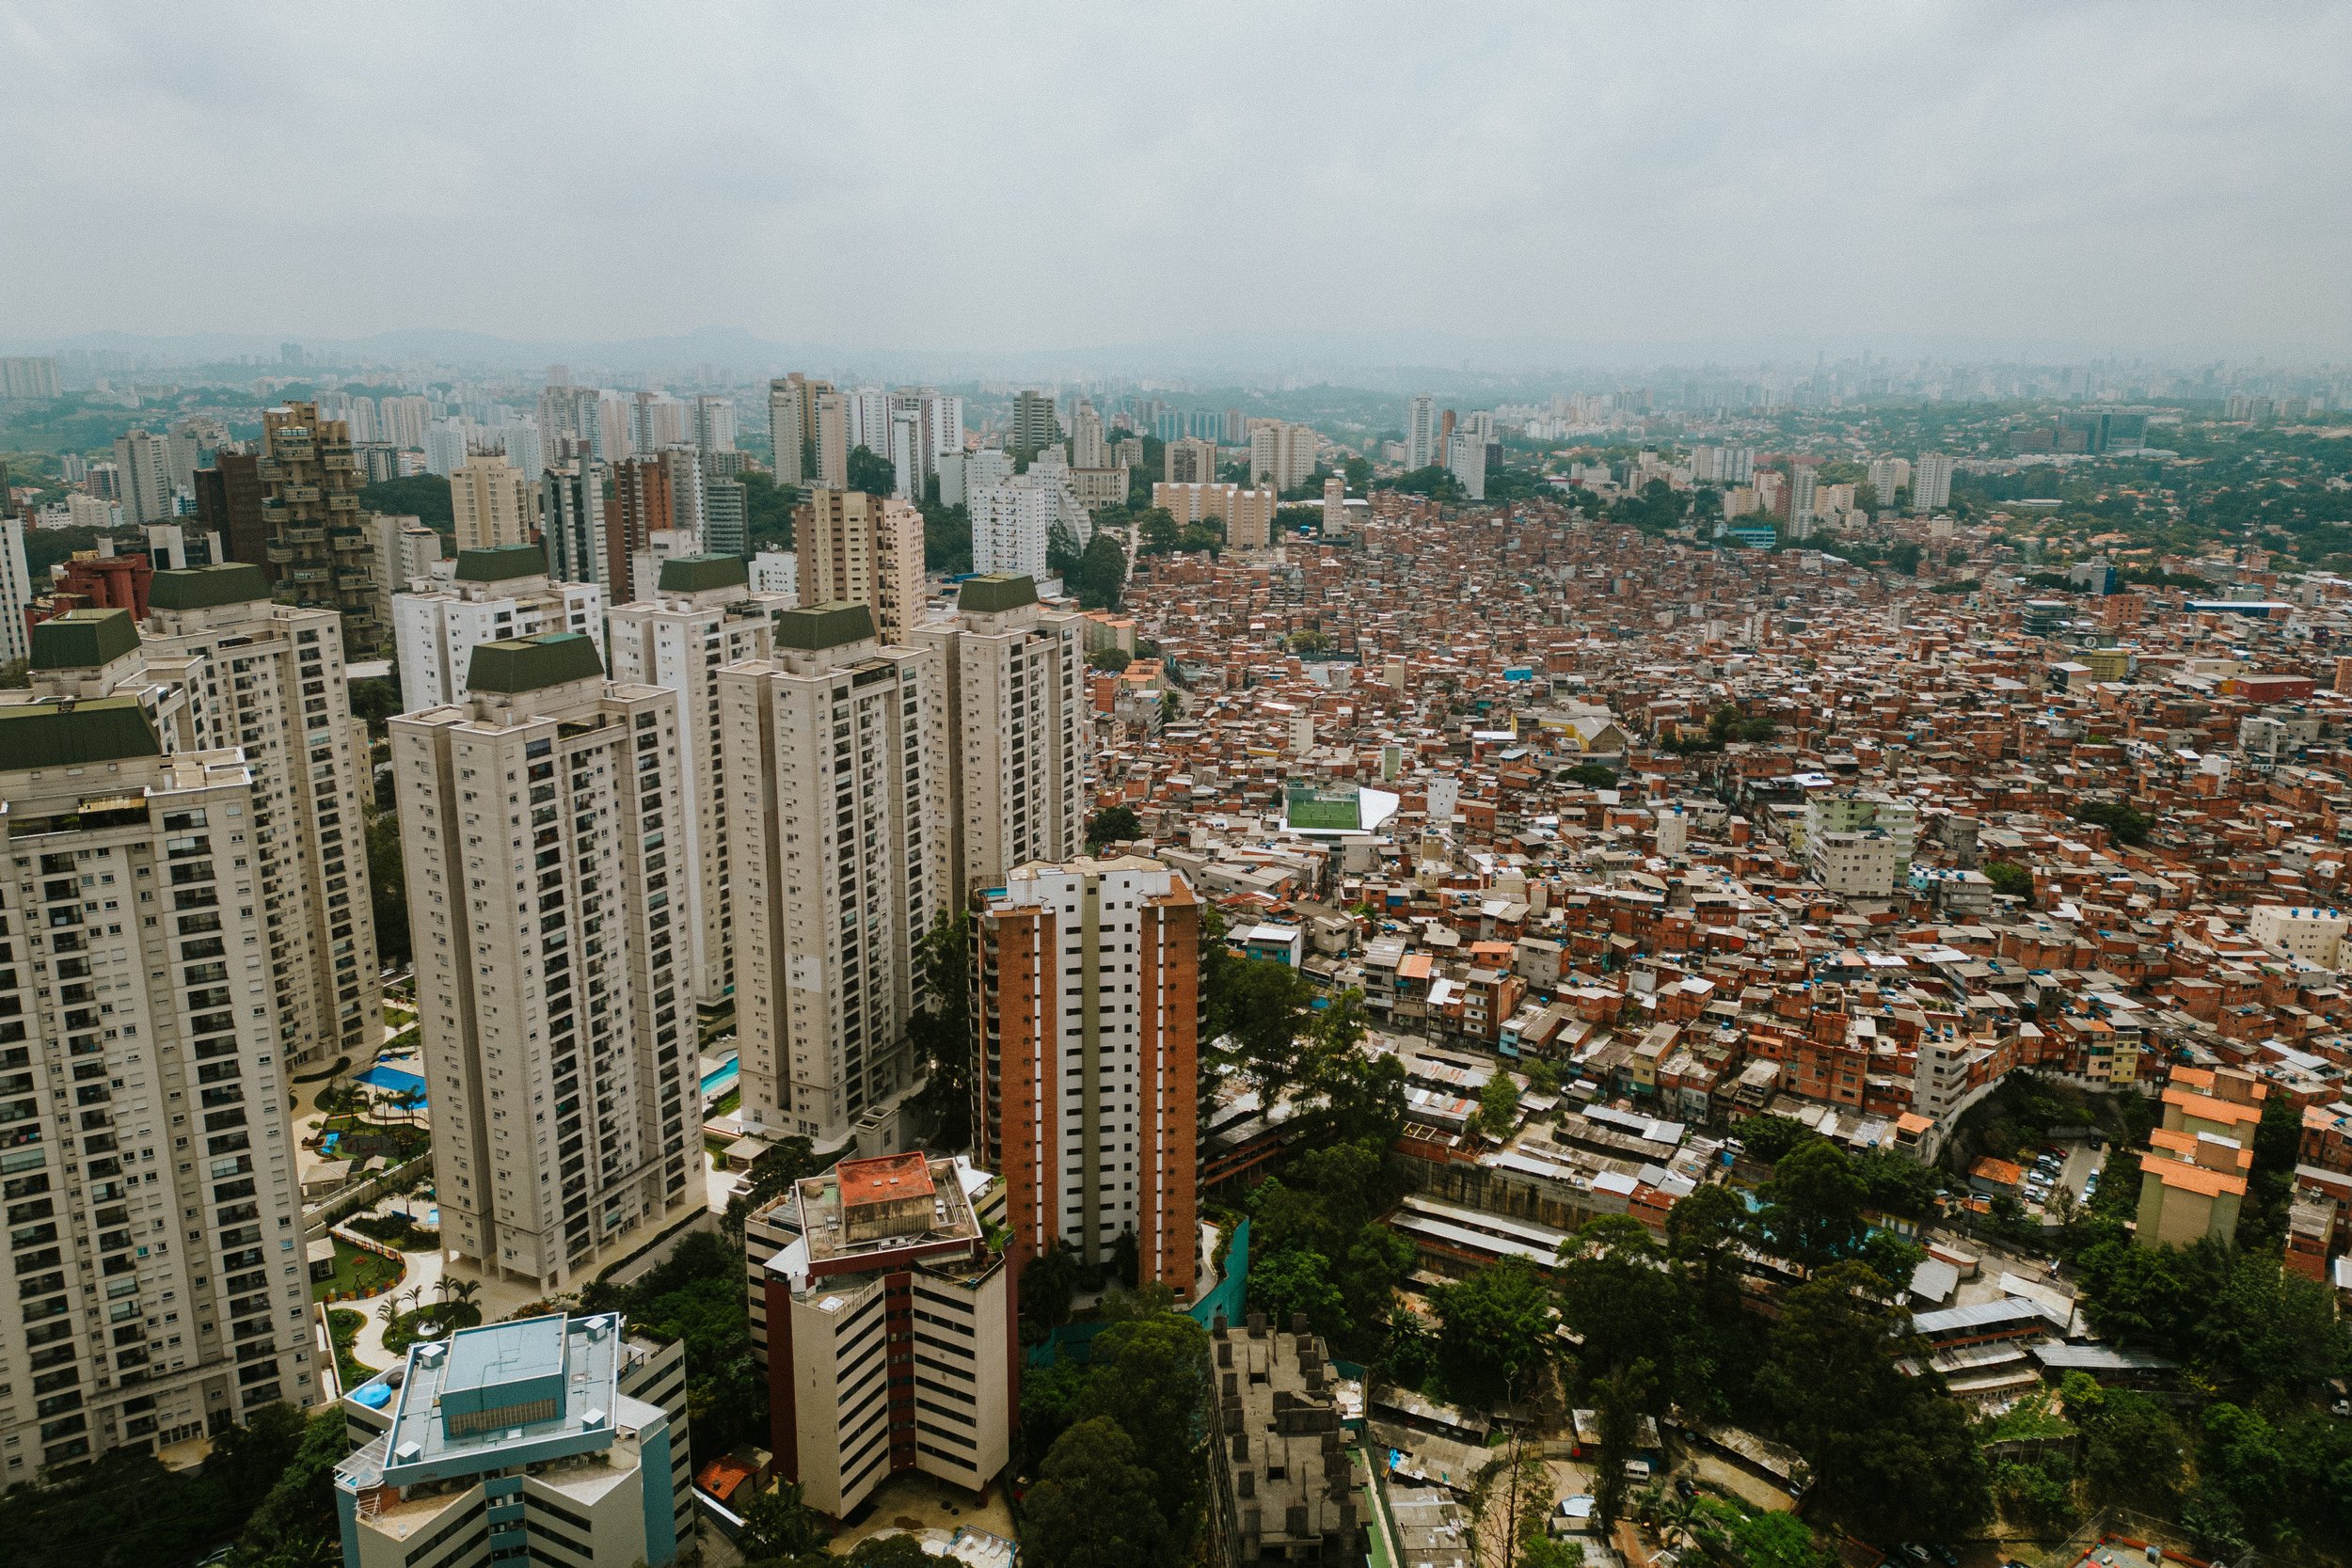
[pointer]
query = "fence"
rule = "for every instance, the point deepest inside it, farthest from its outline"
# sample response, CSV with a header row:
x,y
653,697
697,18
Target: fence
x,y
331,1211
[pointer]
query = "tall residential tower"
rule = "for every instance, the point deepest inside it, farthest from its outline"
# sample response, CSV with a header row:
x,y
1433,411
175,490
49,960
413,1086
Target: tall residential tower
x,y
837,830
550,894
1085,1082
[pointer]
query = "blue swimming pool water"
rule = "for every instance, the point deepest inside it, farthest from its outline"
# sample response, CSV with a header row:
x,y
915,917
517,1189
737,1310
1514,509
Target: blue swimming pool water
x,y
393,1078
722,1078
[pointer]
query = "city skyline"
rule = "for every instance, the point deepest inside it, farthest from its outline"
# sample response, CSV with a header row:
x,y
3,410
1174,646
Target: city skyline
x,y
1612,185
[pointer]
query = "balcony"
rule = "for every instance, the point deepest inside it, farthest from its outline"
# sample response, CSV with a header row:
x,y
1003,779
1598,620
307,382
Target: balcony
x,y
301,535
349,538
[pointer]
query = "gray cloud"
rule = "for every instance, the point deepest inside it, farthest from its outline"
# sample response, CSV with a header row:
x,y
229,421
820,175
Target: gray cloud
x,y
982,178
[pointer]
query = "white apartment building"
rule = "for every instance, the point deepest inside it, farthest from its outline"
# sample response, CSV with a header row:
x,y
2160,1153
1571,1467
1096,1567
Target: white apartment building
x,y
550,900
2313,935
835,770
446,445
143,468
1888,475
494,504
1931,483
657,422
1281,456
712,424
270,679
1465,460
726,518
704,616
1855,864
867,411
524,453
862,1235
493,596
1420,432
1862,811
1014,676
1013,520
961,475
411,550
777,572
161,1291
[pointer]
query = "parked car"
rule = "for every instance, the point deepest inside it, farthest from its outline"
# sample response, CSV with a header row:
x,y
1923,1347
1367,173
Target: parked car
x,y
1944,1554
1687,1487
1912,1551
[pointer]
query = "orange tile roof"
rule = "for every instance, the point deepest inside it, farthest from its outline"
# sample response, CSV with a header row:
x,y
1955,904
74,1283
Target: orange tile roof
x,y
880,1179
2205,1108
722,1476
2193,1178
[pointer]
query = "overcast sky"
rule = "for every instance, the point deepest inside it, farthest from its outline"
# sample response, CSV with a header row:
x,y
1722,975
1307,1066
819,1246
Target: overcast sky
x,y
968,178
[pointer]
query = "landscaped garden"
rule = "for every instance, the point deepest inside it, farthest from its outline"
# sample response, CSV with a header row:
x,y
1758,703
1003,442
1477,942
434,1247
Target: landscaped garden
x,y
343,1325
358,1273
428,1322
396,1230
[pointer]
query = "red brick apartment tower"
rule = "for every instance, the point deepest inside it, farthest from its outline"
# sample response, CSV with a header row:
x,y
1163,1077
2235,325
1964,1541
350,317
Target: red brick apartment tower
x,y
1086,1079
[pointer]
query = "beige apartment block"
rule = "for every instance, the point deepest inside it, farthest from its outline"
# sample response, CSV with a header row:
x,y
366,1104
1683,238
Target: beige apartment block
x,y
1017,719
828,421
705,616
1247,514
1188,460
550,898
1281,456
857,548
491,503
161,1290
837,816
269,679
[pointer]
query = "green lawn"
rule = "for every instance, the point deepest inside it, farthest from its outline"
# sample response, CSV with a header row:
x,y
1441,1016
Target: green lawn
x,y
358,1273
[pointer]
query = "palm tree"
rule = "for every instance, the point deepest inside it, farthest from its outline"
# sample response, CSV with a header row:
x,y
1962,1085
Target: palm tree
x,y
1674,1517
387,1310
463,1289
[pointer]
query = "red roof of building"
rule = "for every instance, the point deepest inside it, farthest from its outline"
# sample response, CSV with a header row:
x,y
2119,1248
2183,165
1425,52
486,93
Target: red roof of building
x,y
885,1178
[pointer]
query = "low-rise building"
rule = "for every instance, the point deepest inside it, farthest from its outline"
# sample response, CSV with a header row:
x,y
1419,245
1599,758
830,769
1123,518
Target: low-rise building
x,y
553,1439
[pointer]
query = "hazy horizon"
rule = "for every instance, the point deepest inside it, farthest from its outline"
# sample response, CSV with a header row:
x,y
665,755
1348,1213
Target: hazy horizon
x,y
1264,188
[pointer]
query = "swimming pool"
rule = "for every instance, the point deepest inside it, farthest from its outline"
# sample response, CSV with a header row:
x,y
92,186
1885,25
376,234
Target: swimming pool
x,y
394,1080
719,1079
